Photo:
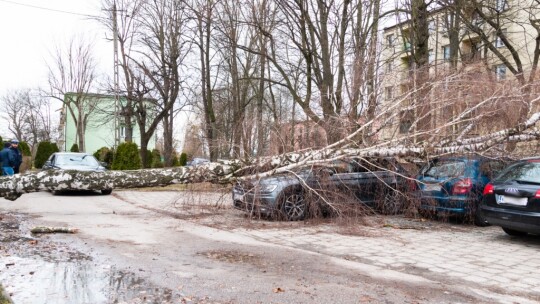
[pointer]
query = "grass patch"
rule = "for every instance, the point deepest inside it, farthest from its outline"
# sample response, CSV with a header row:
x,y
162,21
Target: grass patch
x,y
4,298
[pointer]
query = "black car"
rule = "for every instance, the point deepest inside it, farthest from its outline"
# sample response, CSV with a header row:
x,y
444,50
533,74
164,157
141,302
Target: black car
x,y
377,184
512,199
75,161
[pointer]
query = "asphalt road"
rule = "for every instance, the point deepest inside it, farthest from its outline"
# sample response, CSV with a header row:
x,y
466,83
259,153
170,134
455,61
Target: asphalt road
x,y
176,247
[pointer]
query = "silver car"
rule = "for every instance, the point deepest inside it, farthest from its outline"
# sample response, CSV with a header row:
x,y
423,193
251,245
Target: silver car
x,y
75,161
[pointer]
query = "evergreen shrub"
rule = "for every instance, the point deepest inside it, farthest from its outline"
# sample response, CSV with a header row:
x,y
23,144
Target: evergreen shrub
x,y
183,159
44,150
25,148
156,159
127,157
74,148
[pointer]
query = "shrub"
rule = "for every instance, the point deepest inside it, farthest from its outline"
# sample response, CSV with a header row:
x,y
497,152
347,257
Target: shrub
x,y
74,148
156,159
127,157
25,148
44,150
106,155
183,159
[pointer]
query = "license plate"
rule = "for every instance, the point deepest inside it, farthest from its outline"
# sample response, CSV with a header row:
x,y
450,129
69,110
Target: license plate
x,y
238,197
432,187
517,201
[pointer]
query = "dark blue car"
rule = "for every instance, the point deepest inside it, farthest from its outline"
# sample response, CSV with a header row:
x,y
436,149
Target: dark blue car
x,y
454,185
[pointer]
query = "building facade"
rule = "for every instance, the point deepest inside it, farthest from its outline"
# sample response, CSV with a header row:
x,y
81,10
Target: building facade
x,y
494,40
103,127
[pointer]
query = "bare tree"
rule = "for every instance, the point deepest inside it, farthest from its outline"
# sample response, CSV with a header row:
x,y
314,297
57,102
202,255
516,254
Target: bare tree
x,y
28,115
71,77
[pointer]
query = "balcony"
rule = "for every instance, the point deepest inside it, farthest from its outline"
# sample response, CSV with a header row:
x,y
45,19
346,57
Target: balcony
x,y
471,57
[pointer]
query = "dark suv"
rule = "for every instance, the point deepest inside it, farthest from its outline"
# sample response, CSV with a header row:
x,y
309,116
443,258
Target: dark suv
x,y
376,183
454,185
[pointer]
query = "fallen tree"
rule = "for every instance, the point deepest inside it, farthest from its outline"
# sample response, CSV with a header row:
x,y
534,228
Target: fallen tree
x,y
451,135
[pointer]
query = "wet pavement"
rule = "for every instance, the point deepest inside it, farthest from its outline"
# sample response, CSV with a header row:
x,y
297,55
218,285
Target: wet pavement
x,y
171,247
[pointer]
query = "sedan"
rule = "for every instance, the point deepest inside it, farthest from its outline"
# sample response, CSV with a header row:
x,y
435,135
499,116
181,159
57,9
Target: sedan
x,y
75,161
512,199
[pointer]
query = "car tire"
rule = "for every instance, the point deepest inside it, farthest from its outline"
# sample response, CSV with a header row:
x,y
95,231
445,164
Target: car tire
x,y
479,220
513,232
293,205
106,191
391,203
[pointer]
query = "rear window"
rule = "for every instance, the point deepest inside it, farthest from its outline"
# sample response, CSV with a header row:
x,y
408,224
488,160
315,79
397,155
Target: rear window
x,y
445,168
521,172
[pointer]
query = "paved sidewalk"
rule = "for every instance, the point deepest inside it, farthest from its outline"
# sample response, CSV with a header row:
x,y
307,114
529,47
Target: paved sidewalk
x,y
478,258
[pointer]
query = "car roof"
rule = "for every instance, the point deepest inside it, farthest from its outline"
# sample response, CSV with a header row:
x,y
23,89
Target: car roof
x,y
71,153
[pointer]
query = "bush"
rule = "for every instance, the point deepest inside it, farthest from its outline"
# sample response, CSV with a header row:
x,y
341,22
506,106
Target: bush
x,y
156,159
44,150
25,148
106,155
127,157
74,148
183,159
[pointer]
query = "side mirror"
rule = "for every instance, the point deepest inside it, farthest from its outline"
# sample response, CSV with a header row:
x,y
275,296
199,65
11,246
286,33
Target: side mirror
x,y
47,165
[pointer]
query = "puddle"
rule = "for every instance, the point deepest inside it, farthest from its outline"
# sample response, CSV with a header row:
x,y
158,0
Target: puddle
x,y
34,269
80,282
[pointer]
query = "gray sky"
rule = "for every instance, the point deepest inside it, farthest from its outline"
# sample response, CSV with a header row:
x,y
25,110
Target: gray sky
x,y
32,29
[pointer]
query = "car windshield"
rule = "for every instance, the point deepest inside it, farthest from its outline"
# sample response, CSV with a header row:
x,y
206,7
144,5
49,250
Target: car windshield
x,y
521,172
76,160
445,168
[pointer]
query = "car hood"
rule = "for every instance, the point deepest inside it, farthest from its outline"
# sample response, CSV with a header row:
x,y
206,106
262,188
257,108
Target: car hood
x,y
81,168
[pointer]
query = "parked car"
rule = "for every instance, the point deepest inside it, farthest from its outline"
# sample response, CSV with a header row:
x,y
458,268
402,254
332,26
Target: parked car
x,y
453,185
75,161
512,199
376,184
197,161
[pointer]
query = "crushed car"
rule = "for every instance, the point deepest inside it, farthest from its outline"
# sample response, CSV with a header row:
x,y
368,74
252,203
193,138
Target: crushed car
x,y
377,184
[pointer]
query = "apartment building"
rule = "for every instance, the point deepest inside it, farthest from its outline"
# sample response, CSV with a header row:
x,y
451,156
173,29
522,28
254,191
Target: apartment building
x,y
493,38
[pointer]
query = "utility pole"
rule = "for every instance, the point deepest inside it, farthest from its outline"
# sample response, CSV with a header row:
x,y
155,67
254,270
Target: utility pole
x,y
116,80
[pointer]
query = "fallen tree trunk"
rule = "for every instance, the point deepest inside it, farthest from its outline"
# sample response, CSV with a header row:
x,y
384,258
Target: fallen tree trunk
x,y
12,187
43,229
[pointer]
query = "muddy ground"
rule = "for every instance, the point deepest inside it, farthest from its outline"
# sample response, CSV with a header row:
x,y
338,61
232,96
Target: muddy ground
x,y
129,251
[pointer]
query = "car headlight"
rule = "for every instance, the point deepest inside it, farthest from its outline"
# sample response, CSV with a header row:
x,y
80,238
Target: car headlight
x,y
267,188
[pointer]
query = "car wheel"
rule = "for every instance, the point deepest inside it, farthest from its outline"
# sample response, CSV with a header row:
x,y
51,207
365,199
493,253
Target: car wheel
x,y
479,220
293,205
513,232
106,191
391,203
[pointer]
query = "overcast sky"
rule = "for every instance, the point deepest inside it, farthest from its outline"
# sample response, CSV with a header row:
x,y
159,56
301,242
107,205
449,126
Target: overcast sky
x,y
32,29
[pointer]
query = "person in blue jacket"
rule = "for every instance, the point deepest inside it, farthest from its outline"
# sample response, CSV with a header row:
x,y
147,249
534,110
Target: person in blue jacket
x,y
17,155
8,159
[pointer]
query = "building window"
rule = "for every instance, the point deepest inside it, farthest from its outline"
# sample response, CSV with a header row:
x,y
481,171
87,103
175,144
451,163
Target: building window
x,y
407,46
390,40
476,19
501,5
122,132
389,66
388,93
432,27
498,41
446,52
404,126
500,71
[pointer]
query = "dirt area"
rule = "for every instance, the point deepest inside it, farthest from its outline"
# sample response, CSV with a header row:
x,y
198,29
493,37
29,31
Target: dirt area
x,y
193,247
